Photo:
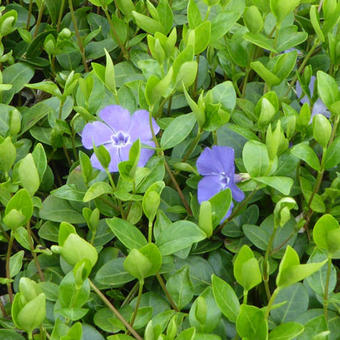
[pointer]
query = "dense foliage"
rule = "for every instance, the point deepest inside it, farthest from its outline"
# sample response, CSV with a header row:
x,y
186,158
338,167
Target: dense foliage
x,y
169,169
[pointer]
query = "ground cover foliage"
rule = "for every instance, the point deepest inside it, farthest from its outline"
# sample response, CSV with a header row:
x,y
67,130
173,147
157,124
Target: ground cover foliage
x,y
169,169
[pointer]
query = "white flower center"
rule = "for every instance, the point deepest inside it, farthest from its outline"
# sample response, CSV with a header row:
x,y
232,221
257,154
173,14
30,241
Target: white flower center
x,y
120,139
225,180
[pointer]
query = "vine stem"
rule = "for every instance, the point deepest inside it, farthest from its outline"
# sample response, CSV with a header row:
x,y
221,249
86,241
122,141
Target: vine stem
x,y
271,301
115,34
40,14
192,146
319,178
34,254
115,311
266,263
325,296
172,302
139,296
30,7
80,43
8,256
302,66
167,168
61,10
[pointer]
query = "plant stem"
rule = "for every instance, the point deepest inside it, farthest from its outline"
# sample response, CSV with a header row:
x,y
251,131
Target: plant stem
x,y
167,168
61,11
30,6
192,146
172,302
80,43
245,297
40,14
266,262
34,254
114,188
271,301
139,296
115,34
8,276
325,296
115,311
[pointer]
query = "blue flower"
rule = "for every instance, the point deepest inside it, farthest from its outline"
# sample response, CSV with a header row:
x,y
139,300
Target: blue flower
x,y
319,106
216,165
117,131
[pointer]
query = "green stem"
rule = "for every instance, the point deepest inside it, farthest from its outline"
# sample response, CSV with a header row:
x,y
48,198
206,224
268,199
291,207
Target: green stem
x,y
8,256
139,296
303,64
166,292
30,6
245,297
60,16
80,43
271,301
325,296
192,146
40,14
114,188
115,34
34,254
167,168
115,311
266,262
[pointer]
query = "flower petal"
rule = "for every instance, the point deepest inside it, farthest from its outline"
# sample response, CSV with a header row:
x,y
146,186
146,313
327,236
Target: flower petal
x,y
298,90
238,194
226,157
97,133
319,107
115,116
228,212
140,127
208,187
209,163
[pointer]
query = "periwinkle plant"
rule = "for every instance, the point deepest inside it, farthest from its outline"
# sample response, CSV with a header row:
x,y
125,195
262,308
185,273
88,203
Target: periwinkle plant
x,y
169,169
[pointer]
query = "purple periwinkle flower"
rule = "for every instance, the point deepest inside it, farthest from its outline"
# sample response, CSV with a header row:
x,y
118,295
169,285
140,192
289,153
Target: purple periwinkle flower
x,y
117,131
319,106
216,165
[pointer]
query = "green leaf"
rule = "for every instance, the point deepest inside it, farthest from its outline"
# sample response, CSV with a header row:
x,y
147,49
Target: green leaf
x,y
180,235
315,21
147,24
112,273
180,287
194,15
282,184
40,160
291,271
224,21
202,36
306,153
333,154
97,189
327,88
281,8
18,75
251,323
225,94
21,201
295,299
269,77
324,233
255,158
246,269
256,235
286,331
225,298
58,210
15,263
177,130
260,40
127,233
